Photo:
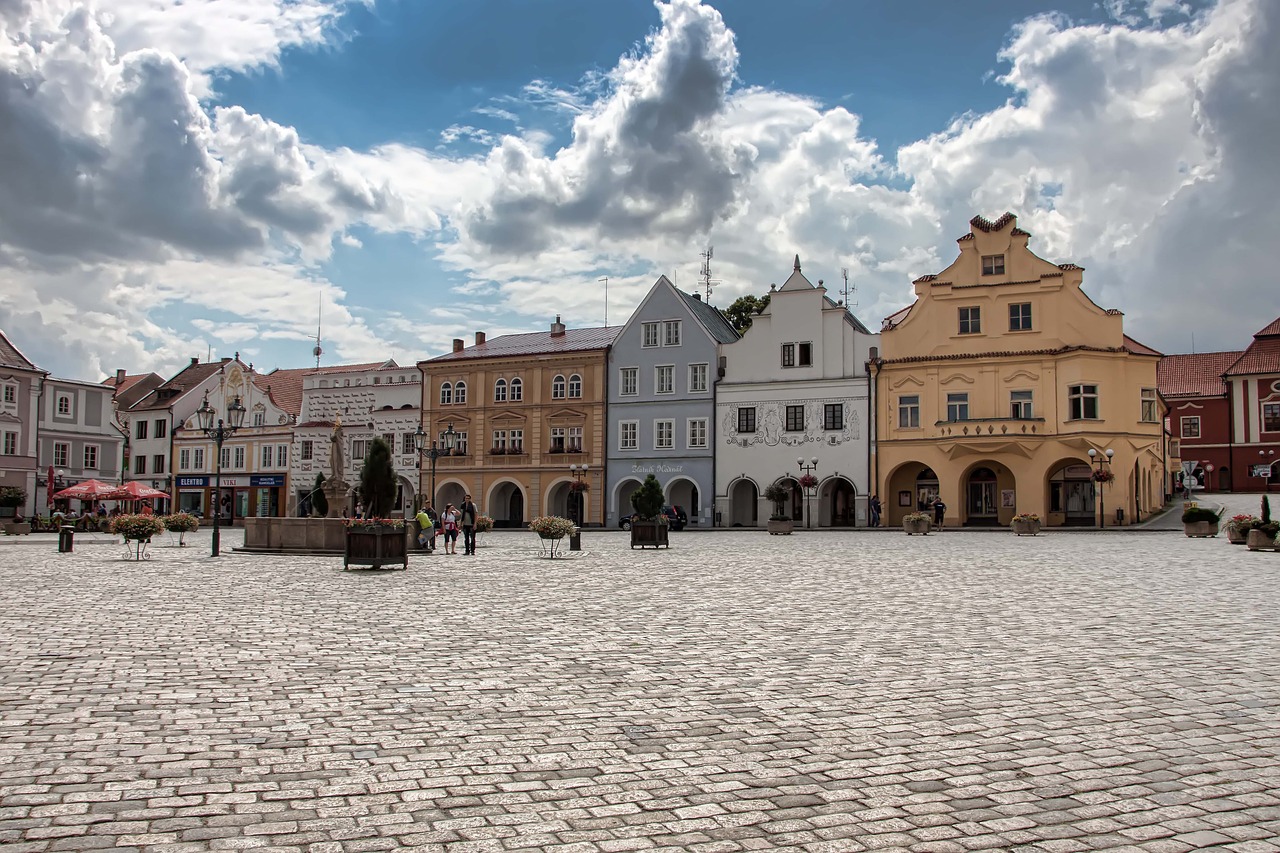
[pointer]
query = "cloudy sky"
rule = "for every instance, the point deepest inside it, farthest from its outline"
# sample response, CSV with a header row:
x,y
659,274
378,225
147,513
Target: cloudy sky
x,y
185,177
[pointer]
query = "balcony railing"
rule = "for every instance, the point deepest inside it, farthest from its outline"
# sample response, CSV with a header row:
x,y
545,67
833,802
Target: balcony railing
x,y
991,427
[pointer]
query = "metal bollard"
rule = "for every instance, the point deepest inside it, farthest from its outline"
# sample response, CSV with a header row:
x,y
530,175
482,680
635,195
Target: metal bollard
x,y
66,539
575,539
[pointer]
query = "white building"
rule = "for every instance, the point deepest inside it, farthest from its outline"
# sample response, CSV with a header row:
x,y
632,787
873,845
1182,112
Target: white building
x,y
795,386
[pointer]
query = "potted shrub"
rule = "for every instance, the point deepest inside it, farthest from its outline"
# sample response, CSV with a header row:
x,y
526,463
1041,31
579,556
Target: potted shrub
x,y
779,523
374,541
136,528
181,523
551,529
916,522
11,497
1263,536
649,526
1238,527
1199,522
1025,524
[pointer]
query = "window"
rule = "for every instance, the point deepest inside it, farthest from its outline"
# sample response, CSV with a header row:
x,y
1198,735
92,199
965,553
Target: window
x,y
1082,402
10,393
282,454
664,434
575,440
237,460
500,391
557,439
517,390
664,379
268,456
197,458
390,439
358,450
140,430
1150,411
648,334
697,377
558,387
628,435
61,453
446,393
629,380
671,333
805,351
909,412
697,432
833,416
499,444
64,404
575,385
459,444
224,458
157,464
160,430
993,264
308,450
1191,426
1020,317
788,355
1175,448
746,419
795,418
139,464
10,444
184,459
406,443
958,407
1271,417
91,456
1020,405
517,441
460,392
259,418
970,321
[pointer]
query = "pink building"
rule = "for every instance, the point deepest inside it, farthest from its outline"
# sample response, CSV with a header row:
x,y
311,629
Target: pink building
x,y
20,386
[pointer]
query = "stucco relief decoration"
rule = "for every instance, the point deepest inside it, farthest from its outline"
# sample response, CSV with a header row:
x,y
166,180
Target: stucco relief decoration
x,y
770,422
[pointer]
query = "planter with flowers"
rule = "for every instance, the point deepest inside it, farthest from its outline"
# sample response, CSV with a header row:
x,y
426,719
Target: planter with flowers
x,y
1025,524
375,542
181,523
916,522
484,523
1103,475
136,529
552,529
1199,522
779,523
1238,527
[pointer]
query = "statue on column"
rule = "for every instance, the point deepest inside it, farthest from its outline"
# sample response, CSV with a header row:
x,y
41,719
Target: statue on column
x,y
335,488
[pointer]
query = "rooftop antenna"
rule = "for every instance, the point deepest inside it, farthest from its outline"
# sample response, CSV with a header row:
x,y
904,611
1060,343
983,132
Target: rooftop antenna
x,y
318,350
606,300
707,281
847,290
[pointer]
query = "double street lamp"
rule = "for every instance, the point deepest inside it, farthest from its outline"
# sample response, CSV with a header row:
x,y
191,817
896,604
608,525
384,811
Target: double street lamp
x,y
219,432
806,471
1100,479
434,452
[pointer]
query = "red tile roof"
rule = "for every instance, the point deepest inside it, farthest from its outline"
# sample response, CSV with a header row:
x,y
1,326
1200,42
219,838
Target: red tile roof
x,y
183,381
1272,330
963,356
1138,348
984,224
10,356
1261,357
1197,374
284,387
537,343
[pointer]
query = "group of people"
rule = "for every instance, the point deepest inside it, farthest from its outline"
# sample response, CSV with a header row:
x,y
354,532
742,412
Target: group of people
x,y
924,503
452,521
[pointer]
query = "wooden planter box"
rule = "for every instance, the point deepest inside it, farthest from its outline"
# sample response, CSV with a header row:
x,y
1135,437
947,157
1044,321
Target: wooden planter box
x,y
913,527
649,534
1025,528
1259,541
1200,529
375,547
780,528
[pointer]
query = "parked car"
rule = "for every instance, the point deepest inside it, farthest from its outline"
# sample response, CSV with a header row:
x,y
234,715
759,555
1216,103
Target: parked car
x,y
677,518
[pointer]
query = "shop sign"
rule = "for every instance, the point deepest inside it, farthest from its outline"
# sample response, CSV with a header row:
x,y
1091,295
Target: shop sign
x,y
1261,471
266,480
234,482
657,469
192,482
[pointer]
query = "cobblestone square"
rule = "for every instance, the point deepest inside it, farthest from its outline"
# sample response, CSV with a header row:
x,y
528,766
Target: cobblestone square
x,y
818,692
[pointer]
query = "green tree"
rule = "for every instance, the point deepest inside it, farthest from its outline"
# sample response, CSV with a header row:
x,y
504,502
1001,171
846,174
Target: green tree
x,y
378,479
648,499
743,309
1266,510
319,503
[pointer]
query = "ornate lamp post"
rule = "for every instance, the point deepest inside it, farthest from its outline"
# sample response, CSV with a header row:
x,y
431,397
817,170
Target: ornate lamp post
x,y
579,473
1100,478
219,432
434,452
806,474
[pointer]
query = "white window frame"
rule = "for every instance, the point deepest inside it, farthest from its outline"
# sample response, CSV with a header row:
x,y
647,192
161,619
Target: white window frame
x,y
957,402
267,457
308,450
670,374
500,391
62,454
1022,408
558,440
575,386
664,427
184,459
1083,396
650,334
90,456
515,438
10,393
696,432
517,389
460,393
672,333
10,446
909,405
573,440
1182,426
628,435
698,372
499,440
1150,400
64,405
260,418
359,447
282,454
993,265
238,457
625,374
224,458
446,393
197,458
559,387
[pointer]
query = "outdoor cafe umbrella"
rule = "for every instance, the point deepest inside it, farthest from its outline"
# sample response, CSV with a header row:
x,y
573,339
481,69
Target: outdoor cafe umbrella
x,y
88,490
133,491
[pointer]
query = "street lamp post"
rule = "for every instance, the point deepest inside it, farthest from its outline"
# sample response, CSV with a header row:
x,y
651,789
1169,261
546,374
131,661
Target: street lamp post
x,y
434,452
219,432
1101,460
807,470
1270,466
579,473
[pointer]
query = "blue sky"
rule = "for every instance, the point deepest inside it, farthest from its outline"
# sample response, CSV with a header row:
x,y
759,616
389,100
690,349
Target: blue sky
x,y
203,176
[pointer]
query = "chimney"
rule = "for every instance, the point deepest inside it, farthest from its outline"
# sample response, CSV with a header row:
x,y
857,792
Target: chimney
x,y
120,374
557,328
226,358
195,359
697,296
457,344
479,339
873,353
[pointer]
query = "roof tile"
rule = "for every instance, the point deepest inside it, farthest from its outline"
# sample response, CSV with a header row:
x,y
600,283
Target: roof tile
x,y
1197,374
537,343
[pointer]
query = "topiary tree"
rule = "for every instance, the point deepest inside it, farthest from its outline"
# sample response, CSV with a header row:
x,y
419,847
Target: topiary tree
x,y
648,499
319,503
777,494
378,479
1266,510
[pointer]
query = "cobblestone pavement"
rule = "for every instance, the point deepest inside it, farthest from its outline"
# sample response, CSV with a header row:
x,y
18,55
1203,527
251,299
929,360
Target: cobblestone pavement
x,y
833,692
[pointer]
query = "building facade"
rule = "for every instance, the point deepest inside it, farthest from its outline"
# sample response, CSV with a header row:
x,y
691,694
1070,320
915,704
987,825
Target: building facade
x,y
78,436
996,383
524,410
20,386
795,387
663,370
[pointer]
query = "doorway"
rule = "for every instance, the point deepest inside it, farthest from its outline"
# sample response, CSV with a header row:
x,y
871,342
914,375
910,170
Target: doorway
x,y
981,506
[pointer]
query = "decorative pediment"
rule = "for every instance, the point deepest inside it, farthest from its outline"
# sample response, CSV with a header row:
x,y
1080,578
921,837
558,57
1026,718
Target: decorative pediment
x,y
458,420
566,416
508,416
908,379
957,377
10,419
1022,373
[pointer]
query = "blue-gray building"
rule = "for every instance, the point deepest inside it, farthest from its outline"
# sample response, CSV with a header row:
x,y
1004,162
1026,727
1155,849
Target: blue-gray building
x,y
662,379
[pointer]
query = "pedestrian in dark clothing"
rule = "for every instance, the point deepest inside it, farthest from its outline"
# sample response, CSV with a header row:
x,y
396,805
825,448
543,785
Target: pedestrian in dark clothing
x,y
939,511
875,510
469,514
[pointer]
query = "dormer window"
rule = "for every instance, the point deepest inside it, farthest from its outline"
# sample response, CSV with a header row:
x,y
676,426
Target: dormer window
x,y
993,264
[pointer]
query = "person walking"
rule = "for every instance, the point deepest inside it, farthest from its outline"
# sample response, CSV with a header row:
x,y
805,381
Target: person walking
x,y
435,526
939,511
875,510
449,521
468,515
426,528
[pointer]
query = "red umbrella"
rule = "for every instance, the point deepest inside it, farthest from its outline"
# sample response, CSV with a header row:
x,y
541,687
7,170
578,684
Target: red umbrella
x,y
89,490
133,491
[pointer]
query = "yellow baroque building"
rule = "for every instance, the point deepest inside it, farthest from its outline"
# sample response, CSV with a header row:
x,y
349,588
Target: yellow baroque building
x,y
993,387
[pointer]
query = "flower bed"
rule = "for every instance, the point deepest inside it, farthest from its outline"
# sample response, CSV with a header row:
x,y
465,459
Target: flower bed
x,y
366,523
